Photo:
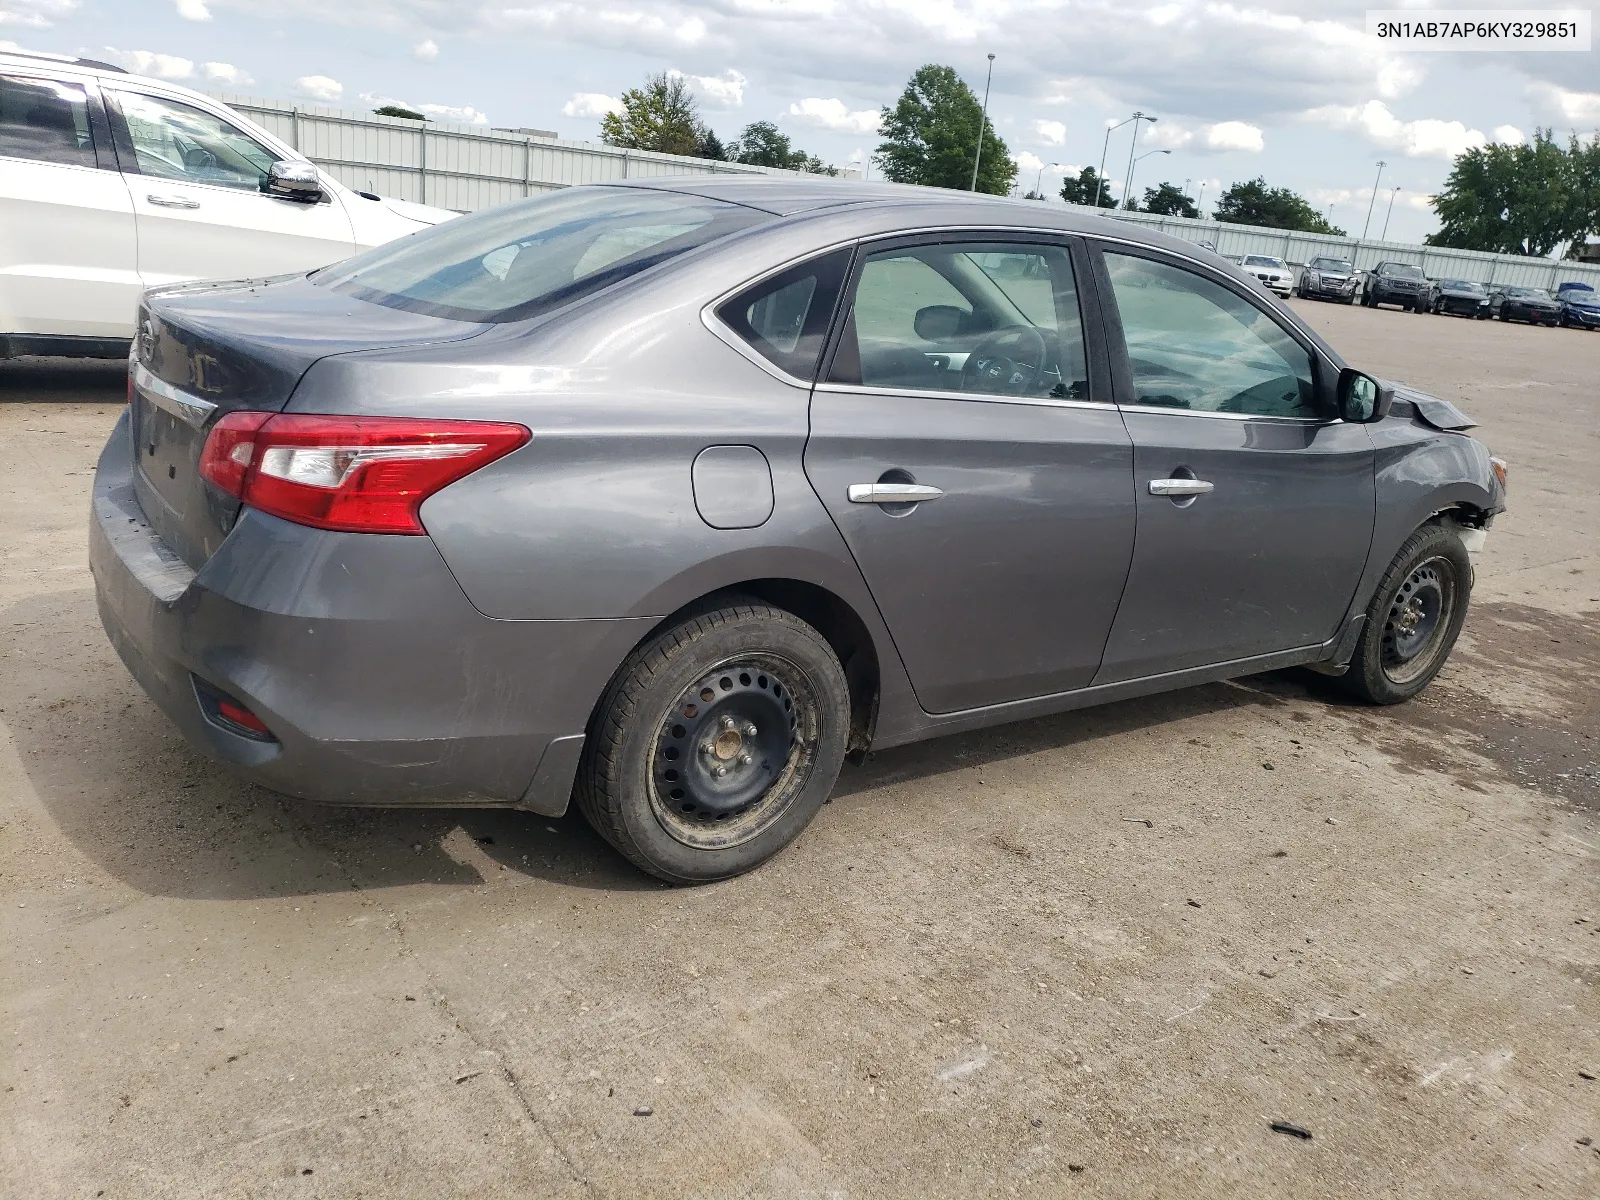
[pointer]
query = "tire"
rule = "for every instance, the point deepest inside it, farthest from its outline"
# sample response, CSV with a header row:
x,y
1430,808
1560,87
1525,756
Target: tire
x,y
1350,300
684,706
1413,620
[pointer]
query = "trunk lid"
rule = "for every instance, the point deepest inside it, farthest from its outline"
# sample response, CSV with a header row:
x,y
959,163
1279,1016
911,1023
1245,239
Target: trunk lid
x,y
202,351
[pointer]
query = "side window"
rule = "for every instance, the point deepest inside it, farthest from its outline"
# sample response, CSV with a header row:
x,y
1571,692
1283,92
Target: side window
x,y
981,317
45,121
785,318
1193,344
175,141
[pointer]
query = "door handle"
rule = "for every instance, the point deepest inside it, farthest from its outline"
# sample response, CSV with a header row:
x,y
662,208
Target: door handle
x,y
1179,487
172,202
892,493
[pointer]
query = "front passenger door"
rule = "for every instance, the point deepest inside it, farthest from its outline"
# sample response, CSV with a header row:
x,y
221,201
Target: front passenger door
x,y
962,369
1255,505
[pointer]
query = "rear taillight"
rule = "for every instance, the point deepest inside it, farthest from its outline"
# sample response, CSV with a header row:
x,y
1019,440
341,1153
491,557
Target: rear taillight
x,y
357,474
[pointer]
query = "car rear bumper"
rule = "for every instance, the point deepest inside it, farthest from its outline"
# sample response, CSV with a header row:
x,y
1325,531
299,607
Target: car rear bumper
x,y
379,681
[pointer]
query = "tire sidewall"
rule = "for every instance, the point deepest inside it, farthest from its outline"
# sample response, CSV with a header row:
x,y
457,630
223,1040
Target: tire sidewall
x,y
1366,674
743,634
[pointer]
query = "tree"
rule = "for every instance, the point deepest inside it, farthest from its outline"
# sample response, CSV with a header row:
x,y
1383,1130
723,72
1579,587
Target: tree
x,y
711,146
932,132
1089,188
1169,201
1254,203
763,144
397,110
1520,199
661,116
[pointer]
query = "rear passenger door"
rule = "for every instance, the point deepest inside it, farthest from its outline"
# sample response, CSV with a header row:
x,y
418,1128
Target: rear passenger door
x,y
1255,503
963,440
67,247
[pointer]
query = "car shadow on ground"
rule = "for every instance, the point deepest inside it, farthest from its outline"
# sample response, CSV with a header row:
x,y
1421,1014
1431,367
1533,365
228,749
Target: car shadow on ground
x,y
70,380
115,777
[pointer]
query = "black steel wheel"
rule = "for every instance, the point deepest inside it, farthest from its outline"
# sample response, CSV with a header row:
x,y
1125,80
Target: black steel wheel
x,y
1414,618
716,743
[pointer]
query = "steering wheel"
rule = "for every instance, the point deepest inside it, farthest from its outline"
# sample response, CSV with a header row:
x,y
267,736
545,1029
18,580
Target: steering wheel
x,y
1007,362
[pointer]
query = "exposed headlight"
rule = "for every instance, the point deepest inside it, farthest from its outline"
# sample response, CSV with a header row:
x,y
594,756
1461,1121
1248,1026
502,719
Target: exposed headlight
x,y
1313,279
1484,303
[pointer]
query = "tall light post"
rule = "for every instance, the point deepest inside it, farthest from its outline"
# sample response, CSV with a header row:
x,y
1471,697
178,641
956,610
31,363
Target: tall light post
x,y
983,126
1127,191
1387,215
1132,146
1038,184
1368,224
1106,146
1200,199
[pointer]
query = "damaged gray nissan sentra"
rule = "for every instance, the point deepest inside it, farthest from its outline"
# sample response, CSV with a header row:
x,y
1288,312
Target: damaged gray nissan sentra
x,y
669,496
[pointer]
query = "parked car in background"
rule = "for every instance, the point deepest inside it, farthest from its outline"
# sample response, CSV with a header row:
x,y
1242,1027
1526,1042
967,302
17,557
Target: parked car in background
x,y
1580,305
1533,305
1457,297
1394,283
111,183
1328,279
1273,272
666,496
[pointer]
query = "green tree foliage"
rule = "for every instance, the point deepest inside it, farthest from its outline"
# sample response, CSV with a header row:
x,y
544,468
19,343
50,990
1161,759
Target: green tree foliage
x,y
1088,188
1254,203
397,110
1169,201
711,146
763,144
1521,199
931,134
661,116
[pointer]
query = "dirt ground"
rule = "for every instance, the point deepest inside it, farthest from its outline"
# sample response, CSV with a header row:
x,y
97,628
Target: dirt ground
x,y
1095,954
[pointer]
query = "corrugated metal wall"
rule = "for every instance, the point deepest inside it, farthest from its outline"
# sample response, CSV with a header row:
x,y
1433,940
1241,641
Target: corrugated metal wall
x,y
467,167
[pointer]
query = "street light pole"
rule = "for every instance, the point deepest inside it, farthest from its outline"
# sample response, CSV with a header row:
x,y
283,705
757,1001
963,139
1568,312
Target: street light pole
x,y
1105,147
983,126
1370,203
1132,146
1127,192
1387,215
1038,184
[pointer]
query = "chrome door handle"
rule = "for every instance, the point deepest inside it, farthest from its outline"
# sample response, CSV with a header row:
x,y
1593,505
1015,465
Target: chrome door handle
x,y
1179,487
892,493
173,202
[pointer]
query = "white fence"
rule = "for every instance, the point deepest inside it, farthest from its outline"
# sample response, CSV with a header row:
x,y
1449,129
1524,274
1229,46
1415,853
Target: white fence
x,y
467,167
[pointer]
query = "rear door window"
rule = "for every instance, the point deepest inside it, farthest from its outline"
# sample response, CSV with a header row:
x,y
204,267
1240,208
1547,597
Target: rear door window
x,y
44,120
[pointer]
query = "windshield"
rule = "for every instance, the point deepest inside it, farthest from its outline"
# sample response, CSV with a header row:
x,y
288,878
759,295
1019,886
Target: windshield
x,y
1463,285
1536,293
535,255
1261,260
1403,271
1332,264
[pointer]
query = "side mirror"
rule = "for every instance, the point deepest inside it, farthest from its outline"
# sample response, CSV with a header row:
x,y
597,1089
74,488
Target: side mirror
x,y
293,179
1362,399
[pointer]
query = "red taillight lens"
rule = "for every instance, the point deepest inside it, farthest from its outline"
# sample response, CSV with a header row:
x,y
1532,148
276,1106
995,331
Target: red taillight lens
x,y
238,714
357,474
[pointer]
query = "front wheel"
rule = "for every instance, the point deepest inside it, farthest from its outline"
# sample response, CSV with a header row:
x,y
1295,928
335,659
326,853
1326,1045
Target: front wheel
x,y
716,743
1414,618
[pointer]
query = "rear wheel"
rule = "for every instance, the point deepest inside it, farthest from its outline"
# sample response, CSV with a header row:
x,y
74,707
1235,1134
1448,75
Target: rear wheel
x,y
1414,618
716,743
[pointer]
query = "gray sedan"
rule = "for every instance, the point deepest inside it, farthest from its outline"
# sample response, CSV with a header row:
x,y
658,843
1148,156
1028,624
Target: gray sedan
x,y
669,497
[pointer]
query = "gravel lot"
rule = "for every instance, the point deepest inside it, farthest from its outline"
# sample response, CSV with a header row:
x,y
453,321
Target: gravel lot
x,y
975,975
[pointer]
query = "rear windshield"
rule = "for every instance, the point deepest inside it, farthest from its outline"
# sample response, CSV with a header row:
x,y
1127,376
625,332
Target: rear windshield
x,y
526,258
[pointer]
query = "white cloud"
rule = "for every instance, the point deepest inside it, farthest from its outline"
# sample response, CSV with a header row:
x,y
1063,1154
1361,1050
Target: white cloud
x,y
35,14
193,10
148,62
835,115
1573,106
1027,161
426,51
591,105
1207,139
1509,135
319,87
1052,133
1424,138
226,74
465,114
719,91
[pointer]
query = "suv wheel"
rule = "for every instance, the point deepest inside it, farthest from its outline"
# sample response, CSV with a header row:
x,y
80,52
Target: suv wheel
x,y
1414,619
716,743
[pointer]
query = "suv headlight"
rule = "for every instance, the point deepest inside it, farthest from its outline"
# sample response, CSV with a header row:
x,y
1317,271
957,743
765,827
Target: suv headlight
x,y
1313,279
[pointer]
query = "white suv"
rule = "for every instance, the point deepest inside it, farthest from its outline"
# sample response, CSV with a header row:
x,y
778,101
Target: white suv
x,y
111,183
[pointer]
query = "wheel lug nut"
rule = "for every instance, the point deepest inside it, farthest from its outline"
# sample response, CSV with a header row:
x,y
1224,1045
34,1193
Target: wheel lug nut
x,y
744,760
727,722
721,771
706,747
749,731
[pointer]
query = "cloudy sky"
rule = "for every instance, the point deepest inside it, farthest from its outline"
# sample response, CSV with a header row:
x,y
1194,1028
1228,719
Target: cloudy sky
x,y
1293,91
